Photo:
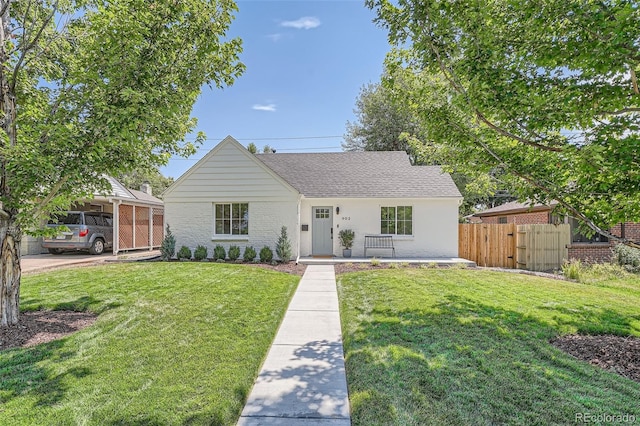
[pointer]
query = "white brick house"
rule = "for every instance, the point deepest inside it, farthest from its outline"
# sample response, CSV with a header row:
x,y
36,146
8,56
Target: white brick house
x,y
233,197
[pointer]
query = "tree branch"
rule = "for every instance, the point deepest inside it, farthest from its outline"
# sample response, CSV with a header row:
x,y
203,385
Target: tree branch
x,y
634,81
30,45
621,111
54,191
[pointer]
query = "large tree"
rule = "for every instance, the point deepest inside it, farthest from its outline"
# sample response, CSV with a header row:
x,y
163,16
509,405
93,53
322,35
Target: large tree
x,y
546,91
388,120
93,87
134,179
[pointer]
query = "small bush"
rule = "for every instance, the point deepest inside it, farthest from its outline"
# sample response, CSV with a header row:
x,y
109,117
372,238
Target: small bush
x,y
219,253
404,264
184,253
627,257
249,254
200,253
234,253
168,247
266,255
375,262
572,269
283,246
394,266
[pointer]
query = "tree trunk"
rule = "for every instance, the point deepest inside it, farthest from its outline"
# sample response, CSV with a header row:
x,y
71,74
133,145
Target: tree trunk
x,y
10,272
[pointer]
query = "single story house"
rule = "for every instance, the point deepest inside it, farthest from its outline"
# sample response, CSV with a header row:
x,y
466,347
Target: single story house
x,y
594,248
234,197
138,218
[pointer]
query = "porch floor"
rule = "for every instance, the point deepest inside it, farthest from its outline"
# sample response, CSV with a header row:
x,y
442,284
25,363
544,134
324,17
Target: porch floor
x,y
441,261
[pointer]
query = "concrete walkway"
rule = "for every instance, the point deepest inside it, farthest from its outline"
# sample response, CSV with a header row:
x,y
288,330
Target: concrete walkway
x,y
302,381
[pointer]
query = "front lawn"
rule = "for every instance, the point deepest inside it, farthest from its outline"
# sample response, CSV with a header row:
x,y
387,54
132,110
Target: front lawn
x,y
174,343
439,347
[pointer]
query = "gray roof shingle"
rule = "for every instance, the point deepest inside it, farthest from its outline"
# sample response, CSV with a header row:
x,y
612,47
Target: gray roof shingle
x,y
377,174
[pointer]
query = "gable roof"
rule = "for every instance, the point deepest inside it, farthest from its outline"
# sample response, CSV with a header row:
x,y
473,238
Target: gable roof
x,y
118,190
514,207
368,174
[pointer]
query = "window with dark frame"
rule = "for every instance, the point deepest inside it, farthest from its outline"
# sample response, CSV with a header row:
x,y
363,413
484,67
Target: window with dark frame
x,y
502,219
396,220
578,237
231,218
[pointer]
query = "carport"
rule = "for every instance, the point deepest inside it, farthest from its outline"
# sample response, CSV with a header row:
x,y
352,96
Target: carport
x,y
138,218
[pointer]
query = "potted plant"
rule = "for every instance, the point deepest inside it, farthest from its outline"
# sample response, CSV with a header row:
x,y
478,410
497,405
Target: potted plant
x,y
346,237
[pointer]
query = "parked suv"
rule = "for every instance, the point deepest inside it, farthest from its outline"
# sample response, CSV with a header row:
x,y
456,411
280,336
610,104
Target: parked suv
x,y
92,231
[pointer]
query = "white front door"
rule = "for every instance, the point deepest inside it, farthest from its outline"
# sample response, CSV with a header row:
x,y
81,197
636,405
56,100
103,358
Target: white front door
x,y
321,231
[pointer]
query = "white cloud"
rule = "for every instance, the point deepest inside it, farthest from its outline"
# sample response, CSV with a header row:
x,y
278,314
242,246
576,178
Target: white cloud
x,y
269,107
275,37
304,23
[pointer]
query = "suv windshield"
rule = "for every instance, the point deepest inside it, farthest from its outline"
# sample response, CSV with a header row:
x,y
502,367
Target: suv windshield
x,y
68,219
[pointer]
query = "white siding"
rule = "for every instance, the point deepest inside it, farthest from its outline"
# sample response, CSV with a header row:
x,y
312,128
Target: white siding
x,y
230,174
435,226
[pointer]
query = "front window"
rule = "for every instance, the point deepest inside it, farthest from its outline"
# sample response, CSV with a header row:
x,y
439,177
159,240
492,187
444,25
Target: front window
x,y
396,220
232,219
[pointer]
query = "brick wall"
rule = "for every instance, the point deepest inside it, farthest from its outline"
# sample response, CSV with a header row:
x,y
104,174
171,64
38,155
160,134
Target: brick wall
x,y
590,253
530,218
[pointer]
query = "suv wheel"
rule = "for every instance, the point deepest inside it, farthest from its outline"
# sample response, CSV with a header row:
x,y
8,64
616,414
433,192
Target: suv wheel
x,y
97,247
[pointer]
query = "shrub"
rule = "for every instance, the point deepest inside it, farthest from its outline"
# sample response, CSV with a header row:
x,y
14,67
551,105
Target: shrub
x,y
346,237
184,253
266,255
219,253
572,269
375,262
249,254
627,257
168,247
404,264
234,253
283,246
394,266
200,253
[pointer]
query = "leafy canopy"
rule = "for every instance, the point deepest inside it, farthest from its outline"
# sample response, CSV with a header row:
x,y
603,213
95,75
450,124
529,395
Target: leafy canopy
x,y
547,91
96,86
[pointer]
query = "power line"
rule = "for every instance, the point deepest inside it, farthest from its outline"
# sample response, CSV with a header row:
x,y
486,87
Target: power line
x,y
277,138
278,150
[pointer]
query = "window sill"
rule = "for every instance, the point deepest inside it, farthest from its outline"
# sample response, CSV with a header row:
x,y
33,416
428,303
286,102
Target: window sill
x,y
230,238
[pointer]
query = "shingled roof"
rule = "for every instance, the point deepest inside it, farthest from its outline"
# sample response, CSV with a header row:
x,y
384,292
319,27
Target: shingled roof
x,y
377,174
513,207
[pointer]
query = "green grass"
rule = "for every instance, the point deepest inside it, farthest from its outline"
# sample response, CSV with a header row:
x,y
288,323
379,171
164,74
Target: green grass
x,y
174,343
451,347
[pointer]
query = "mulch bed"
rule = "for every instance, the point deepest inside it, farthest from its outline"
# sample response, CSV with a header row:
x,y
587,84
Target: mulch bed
x,y
614,353
38,327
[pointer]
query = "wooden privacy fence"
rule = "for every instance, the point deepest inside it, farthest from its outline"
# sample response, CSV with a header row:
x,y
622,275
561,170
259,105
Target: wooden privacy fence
x,y
140,227
532,247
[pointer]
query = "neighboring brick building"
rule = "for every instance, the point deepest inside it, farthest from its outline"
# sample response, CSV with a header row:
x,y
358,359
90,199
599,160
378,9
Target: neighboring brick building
x,y
596,248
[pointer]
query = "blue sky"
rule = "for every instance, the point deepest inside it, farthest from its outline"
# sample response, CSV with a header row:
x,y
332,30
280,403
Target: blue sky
x,y
306,62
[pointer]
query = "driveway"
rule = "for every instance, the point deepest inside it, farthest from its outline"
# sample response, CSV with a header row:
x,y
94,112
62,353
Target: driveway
x,y
42,262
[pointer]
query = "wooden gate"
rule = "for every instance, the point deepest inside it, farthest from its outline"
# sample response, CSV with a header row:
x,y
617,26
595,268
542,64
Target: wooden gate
x,y
488,244
140,227
542,247
533,247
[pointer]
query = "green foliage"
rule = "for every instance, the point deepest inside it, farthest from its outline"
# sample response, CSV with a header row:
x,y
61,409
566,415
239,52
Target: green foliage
x,y
375,262
266,255
184,253
346,237
200,253
627,257
219,252
249,254
394,265
168,247
234,253
545,93
135,178
573,269
252,148
283,246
